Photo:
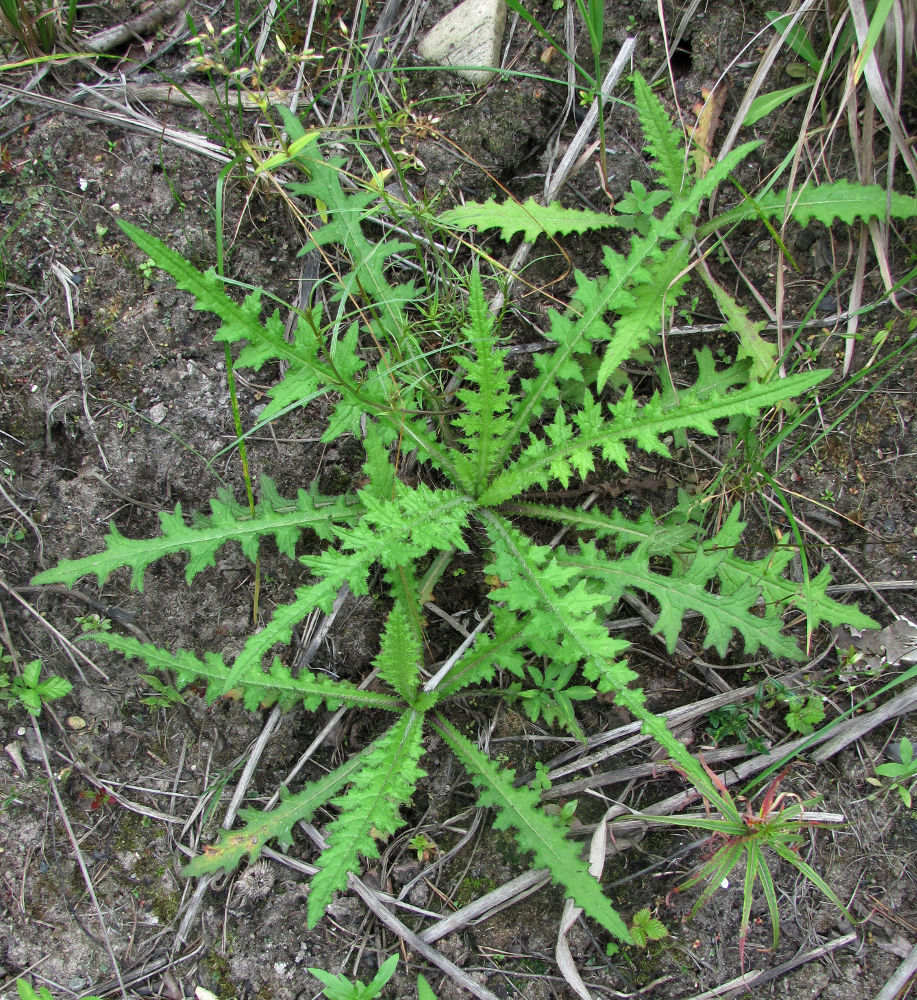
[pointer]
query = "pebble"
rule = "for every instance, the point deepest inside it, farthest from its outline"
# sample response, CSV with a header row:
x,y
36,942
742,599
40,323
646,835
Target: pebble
x,y
471,35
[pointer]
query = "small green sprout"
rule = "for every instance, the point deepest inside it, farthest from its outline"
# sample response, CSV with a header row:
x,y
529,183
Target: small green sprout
x,y
30,691
903,775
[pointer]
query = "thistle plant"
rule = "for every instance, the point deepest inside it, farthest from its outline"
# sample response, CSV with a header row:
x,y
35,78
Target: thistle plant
x,y
489,440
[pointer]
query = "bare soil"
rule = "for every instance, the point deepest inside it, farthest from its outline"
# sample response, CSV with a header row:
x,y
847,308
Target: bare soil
x,y
114,407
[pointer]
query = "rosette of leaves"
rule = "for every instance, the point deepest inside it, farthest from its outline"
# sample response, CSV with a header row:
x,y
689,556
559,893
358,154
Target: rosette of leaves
x,y
488,441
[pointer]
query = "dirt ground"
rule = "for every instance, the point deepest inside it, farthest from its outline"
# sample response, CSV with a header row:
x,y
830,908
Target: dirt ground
x,y
114,406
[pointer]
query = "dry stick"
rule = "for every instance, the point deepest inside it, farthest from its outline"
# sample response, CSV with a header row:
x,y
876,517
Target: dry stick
x,y
65,642
895,987
189,95
567,165
269,14
149,20
853,729
570,789
745,982
371,57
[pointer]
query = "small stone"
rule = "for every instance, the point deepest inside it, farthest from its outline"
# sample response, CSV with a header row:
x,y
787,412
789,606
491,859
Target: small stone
x,y
76,722
471,35
158,413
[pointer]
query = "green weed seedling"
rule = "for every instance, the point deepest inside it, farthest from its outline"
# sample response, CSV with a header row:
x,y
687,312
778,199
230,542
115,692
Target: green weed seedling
x,y
778,825
644,928
30,691
28,992
339,987
488,440
903,773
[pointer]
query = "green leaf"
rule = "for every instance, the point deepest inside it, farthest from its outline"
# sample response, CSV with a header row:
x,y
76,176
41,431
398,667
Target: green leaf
x,y
763,105
682,592
31,700
543,835
278,823
529,218
339,987
796,37
369,810
285,520
31,673
841,200
54,688
424,989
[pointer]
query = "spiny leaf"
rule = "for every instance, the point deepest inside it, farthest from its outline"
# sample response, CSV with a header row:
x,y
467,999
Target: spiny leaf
x,y
543,835
665,144
485,394
391,532
229,521
762,353
529,218
642,319
835,200
681,592
676,537
564,449
369,809
259,688
561,619
401,654
346,211
479,662
277,823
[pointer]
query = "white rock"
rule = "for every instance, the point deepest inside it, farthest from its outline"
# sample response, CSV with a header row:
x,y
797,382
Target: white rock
x,y
470,36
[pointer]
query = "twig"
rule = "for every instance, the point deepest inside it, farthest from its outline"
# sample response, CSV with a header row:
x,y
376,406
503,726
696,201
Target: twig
x,y
67,644
194,904
29,522
853,729
378,905
745,982
896,985
149,20
415,943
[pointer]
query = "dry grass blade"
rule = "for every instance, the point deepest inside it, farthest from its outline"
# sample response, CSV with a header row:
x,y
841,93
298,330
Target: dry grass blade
x,y
875,82
795,13
129,119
